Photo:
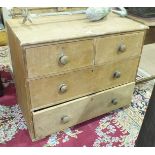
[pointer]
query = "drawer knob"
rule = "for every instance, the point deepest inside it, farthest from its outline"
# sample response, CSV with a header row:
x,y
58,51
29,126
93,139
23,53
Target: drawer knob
x,y
64,59
114,101
117,74
63,88
65,119
122,48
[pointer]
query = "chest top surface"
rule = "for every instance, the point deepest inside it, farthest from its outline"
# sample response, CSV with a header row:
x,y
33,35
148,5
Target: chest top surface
x,y
65,27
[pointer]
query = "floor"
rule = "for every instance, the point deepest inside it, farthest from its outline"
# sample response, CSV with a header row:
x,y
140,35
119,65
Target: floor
x,y
117,128
147,62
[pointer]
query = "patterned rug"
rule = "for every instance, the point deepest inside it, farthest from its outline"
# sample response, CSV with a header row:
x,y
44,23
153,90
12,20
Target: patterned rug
x,y
118,128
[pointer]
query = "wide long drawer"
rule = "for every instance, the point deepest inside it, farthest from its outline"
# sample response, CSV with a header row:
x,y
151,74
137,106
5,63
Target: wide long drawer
x,y
58,58
56,89
59,117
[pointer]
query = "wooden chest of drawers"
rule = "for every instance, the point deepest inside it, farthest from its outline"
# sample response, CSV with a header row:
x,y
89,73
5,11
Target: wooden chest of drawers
x,y
68,70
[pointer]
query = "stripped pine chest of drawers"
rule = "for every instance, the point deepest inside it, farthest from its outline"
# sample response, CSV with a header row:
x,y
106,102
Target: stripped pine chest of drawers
x,y
68,70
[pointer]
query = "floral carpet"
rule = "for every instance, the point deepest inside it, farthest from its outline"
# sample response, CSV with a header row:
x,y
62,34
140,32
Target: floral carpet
x,y
119,128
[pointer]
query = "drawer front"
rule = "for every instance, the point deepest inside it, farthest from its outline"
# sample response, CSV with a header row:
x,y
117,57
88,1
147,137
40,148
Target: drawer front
x,y
59,88
118,47
55,59
59,117
114,74
56,89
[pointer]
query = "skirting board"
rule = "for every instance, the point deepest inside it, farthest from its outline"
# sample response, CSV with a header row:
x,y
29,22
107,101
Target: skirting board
x,y
145,74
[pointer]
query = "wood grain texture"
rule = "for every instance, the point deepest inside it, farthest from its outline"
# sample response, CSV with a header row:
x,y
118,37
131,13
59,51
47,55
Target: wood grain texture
x,y
103,74
19,78
44,60
45,91
107,47
49,121
50,29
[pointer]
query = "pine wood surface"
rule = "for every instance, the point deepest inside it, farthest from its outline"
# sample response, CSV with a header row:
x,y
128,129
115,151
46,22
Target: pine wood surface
x,y
56,28
49,120
35,50
45,91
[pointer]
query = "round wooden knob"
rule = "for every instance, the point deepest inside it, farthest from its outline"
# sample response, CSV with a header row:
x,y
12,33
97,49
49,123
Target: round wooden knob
x,y
122,48
65,119
114,101
64,59
117,74
63,88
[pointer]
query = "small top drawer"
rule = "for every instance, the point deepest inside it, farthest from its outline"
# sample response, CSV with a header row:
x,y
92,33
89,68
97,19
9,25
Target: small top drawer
x,y
118,47
58,58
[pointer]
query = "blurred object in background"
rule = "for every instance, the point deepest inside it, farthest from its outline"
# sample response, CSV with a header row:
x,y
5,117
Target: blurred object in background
x,y
16,12
142,11
1,20
3,34
1,87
